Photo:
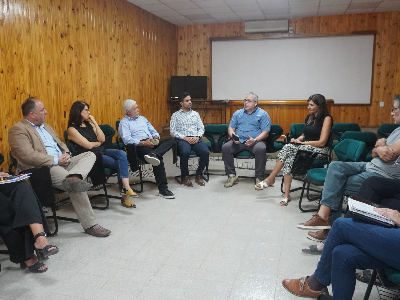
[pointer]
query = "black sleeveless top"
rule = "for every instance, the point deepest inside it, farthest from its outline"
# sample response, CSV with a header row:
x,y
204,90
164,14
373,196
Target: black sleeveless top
x,y
312,131
89,134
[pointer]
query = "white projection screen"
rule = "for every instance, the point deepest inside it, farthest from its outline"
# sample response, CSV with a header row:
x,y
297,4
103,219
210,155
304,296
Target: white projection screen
x,y
339,67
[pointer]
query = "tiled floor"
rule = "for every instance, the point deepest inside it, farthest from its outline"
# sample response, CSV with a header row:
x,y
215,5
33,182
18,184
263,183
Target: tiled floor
x,y
208,243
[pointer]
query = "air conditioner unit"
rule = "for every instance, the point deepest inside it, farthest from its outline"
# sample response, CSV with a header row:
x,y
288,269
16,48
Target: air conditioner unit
x,y
266,26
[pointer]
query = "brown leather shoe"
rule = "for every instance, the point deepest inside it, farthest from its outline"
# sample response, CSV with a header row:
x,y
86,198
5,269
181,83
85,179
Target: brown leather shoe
x,y
315,223
318,236
186,182
199,180
299,287
97,231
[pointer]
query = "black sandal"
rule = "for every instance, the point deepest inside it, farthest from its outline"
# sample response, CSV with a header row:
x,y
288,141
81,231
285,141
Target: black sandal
x,y
43,254
34,268
365,277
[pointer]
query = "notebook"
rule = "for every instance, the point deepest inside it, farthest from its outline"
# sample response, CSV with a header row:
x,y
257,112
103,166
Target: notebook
x,y
365,212
14,178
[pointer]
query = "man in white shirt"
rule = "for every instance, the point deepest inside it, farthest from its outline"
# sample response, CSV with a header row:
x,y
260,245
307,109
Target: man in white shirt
x,y
187,128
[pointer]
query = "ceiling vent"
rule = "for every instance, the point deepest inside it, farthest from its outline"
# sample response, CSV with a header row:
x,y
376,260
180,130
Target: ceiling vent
x,y
266,26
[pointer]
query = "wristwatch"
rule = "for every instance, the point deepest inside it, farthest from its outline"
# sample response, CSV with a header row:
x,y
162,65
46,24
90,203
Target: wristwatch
x,y
255,141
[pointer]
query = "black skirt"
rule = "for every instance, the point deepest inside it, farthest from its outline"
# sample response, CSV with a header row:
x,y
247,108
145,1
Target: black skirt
x,y
19,207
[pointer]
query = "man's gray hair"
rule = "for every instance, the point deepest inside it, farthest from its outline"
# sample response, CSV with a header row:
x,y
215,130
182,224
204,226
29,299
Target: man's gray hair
x,y
397,99
127,105
255,97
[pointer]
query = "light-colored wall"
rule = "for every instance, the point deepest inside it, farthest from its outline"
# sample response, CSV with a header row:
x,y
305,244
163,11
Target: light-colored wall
x,y
194,57
101,52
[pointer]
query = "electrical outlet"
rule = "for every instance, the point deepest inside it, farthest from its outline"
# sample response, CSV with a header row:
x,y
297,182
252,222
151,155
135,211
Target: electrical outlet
x,y
381,104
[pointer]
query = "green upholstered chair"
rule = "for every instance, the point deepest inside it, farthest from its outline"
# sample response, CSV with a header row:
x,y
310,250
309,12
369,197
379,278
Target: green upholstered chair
x,y
346,150
296,130
390,279
217,135
339,128
275,133
368,137
386,129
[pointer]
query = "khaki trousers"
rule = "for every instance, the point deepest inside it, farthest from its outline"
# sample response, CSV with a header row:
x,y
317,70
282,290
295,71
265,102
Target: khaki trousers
x,y
80,164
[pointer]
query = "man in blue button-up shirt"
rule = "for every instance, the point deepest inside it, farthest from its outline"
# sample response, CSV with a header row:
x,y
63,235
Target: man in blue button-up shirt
x,y
137,130
247,128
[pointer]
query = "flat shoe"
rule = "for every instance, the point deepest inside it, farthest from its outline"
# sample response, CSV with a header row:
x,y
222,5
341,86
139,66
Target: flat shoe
x,y
285,201
313,249
260,186
34,268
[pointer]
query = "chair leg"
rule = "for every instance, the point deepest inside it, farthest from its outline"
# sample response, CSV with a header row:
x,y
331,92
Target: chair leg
x,y
107,199
141,181
370,284
301,197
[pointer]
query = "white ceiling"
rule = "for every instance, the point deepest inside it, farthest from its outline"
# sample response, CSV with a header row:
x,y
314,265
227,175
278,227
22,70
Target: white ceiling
x,y
189,12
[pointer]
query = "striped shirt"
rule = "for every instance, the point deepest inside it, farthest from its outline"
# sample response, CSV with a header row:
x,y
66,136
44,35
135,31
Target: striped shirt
x,y
186,124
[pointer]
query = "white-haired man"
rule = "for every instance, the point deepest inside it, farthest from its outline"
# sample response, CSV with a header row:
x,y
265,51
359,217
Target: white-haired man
x,y
137,130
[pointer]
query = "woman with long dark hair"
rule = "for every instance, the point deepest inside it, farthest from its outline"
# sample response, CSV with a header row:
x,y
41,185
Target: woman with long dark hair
x,y
318,124
84,131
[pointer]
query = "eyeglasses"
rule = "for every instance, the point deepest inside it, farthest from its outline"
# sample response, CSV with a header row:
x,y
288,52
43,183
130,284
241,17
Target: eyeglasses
x,y
87,110
247,100
394,109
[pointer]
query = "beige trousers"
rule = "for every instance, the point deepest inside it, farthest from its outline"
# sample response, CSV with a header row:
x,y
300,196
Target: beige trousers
x,y
80,164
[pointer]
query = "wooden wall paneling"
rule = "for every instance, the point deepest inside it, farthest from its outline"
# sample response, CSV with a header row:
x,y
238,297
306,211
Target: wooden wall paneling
x,y
98,51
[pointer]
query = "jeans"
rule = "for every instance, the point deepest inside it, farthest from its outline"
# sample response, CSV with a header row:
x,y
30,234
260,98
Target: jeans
x,y
343,178
354,245
116,160
201,150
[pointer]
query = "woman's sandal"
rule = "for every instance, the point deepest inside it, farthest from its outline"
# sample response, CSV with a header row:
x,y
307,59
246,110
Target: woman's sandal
x,y
129,192
260,186
285,201
127,202
34,268
44,253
